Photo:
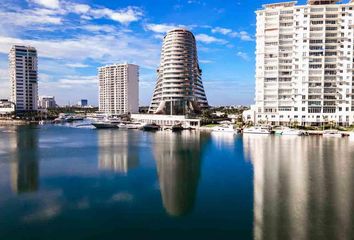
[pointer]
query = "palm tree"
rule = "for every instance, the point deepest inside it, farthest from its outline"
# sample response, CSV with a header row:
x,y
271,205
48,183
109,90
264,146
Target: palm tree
x,y
295,124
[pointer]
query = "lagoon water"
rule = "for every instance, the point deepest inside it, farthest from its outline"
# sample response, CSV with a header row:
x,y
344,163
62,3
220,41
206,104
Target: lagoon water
x,y
60,182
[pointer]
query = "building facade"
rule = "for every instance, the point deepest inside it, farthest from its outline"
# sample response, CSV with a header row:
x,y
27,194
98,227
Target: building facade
x,y
119,89
23,62
179,89
83,103
304,63
45,102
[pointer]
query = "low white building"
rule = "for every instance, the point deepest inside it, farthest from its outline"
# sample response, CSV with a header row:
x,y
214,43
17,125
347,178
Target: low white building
x,y
166,120
6,108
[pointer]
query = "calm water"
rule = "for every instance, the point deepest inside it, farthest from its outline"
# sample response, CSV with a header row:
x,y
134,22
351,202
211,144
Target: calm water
x,y
69,183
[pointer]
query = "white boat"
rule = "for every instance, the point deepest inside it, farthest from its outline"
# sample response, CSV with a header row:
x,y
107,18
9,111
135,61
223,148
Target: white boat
x,y
257,130
285,131
43,122
224,128
134,125
122,125
351,136
332,133
105,124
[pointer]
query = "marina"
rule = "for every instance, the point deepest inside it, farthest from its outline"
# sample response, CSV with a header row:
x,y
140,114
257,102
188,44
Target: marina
x,y
189,182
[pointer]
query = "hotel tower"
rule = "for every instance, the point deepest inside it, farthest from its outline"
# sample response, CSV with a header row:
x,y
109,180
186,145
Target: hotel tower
x,y
304,63
179,89
23,77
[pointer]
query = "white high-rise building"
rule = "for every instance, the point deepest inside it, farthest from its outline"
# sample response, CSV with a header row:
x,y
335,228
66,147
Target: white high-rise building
x,y
304,63
179,89
24,77
119,89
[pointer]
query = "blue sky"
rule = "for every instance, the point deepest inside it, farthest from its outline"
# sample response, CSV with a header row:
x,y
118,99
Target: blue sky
x,y
74,37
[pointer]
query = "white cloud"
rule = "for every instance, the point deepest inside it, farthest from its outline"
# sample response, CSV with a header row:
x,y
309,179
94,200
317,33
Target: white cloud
x,y
205,61
77,65
243,55
4,83
209,39
47,3
245,36
124,16
119,47
71,81
162,28
98,28
79,8
74,87
159,36
40,16
224,31
26,18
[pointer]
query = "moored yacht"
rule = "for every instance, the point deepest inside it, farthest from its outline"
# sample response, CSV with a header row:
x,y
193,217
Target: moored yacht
x,y
177,127
105,124
332,133
224,128
351,135
286,131
134,125
257,130
150,127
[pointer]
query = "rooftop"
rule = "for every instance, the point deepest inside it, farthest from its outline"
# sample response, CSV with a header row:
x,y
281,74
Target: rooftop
x,y
322,2
309,2
117,65
282,4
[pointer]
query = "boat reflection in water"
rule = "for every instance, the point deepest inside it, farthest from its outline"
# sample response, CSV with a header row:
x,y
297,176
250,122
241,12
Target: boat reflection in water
x,y
224,139
178,159
116,152
303,187
24,160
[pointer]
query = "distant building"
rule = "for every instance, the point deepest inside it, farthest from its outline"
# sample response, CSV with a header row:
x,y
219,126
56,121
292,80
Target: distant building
x,y
179,88
119,89
83,103
46,102
24,77
304,63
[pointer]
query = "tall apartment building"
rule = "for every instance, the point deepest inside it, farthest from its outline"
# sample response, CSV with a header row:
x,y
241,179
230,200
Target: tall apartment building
x,y
179,89
119,89
305,63
24,77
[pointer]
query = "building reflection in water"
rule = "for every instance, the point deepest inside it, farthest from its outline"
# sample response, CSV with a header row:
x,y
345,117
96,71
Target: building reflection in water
x,y
24,160
223,139
115,151
178,158
303,187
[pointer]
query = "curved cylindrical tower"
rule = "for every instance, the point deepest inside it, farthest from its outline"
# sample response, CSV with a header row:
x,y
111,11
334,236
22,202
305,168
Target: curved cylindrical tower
x,y
179,89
